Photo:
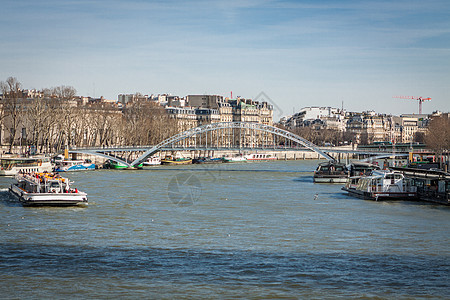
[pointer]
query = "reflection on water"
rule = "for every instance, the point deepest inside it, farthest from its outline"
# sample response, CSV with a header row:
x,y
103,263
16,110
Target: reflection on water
x,y
254,230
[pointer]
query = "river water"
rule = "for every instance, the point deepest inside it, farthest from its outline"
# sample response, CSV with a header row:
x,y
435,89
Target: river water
x,y
250,230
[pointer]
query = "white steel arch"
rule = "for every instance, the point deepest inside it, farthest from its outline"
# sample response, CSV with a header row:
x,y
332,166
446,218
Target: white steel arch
x,y
98,153
229,125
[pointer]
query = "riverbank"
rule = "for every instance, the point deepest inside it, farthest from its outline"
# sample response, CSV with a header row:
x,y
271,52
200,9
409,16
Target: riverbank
x,y
280,155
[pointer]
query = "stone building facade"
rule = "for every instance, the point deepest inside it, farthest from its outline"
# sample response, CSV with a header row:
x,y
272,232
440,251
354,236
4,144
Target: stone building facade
x,y
365,127
205,109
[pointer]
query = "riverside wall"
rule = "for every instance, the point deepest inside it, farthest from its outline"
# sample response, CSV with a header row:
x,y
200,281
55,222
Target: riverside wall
x,y
280,155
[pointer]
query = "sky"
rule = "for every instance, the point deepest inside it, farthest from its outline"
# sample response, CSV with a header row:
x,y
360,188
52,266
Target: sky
x,y
294,54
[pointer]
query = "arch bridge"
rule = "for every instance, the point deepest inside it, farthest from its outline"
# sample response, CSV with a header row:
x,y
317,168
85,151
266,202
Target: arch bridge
x,y
226,134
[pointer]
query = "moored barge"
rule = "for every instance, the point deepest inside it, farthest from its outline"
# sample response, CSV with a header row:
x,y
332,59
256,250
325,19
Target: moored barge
x,y
176,161
207,160
331,172
381,185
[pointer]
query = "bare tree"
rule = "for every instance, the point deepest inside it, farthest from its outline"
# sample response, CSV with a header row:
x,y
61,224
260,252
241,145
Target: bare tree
x,y
349,136
419,137
36,120
64,92
364,138
12,106
437,137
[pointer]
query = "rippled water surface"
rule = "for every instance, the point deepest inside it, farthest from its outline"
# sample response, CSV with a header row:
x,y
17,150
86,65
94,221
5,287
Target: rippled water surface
x,y
251,230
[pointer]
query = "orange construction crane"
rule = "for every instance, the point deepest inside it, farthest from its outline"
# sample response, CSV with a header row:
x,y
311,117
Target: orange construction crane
x,y
420,99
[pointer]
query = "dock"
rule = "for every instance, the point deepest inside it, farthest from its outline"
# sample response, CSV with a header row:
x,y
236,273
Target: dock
x,y
432,185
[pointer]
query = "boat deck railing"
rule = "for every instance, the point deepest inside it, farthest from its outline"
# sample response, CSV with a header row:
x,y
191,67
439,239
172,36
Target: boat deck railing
x,y
395,188
332,173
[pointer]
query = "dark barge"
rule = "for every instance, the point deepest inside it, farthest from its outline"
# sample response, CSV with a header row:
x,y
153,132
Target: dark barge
x,y
432,185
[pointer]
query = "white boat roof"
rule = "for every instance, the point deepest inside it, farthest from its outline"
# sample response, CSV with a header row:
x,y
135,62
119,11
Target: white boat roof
x,y
24,158
382,173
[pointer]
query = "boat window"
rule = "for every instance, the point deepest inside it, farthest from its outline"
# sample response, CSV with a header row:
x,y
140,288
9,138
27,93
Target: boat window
x,y
365,184
418,183
9,163
398,176
54,184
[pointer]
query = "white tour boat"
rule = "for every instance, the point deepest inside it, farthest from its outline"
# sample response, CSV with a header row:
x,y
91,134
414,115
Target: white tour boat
x,y
259,156
231,159
152,161
381,185
34,189
12,166
73,165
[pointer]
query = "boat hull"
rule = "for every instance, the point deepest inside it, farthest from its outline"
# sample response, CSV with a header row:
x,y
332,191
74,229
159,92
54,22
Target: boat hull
x,y
271,158
330,179
259,157
118,166
380,196
81,167
151,164
49,199
176,162
234,159
207,161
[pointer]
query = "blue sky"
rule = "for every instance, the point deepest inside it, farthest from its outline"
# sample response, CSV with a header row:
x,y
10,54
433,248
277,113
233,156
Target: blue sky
x,y
299,53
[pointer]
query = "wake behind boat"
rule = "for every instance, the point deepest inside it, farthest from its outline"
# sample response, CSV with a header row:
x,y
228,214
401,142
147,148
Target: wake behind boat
x,y
49,189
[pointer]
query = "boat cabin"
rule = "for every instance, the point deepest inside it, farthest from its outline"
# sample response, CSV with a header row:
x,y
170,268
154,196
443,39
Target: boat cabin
x,y
43,183
331,168
358,168
385,182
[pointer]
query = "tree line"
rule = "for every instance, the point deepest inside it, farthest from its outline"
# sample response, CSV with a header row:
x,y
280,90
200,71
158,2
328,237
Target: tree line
x,y
55,120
